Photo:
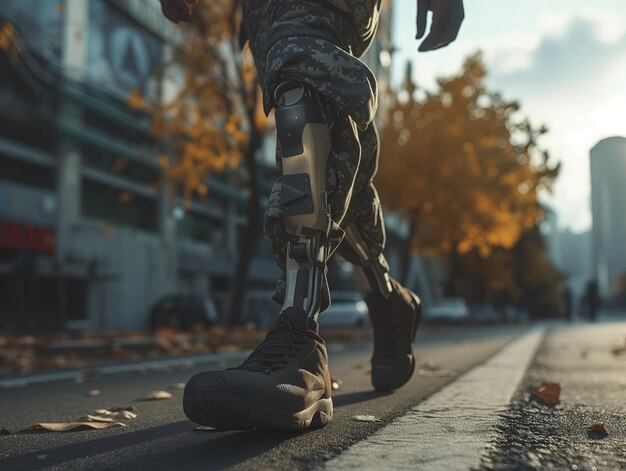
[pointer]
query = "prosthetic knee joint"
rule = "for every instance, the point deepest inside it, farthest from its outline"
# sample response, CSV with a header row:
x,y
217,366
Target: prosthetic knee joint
x,y
304,138
376,269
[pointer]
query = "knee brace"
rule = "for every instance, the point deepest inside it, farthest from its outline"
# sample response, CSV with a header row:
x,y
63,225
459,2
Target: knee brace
x,y
304,138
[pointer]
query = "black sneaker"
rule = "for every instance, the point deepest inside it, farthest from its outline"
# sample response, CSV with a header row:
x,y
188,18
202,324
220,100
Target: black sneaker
x,y
283,384
394,321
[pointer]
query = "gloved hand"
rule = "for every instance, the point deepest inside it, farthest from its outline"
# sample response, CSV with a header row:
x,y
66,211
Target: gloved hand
x,y
447,18
178,10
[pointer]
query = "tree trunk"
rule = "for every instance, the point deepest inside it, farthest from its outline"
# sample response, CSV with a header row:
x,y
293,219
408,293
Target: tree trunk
x,y
248,240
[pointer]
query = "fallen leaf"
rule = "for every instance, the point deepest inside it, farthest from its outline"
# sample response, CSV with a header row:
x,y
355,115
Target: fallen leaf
x,y
366,418
70,426
96,418
121,414
94,393
177,386
157,395
435,373
335,383
549,393
4,431
597,430
430,365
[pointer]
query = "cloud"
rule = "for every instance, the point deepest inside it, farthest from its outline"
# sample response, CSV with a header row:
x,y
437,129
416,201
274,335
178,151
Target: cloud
x,y
571,78
577,60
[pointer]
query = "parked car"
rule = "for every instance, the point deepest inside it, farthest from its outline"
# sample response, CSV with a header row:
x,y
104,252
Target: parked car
x,y
485,313
182,312
448,310
347,308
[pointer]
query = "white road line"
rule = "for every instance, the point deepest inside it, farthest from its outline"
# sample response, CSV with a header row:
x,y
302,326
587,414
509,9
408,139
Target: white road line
x,y
449,430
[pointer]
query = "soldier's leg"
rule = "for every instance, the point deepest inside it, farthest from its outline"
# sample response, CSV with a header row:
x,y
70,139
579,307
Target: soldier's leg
x,y
331,173
310,72
364,224
394,310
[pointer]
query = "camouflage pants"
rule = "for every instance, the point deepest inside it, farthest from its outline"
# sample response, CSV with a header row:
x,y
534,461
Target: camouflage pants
x,y
317,42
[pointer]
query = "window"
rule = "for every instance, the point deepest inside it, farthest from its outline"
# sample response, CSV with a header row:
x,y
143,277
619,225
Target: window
x,y
116,206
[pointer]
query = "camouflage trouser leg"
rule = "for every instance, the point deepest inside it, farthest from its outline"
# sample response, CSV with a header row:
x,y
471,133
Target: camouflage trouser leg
x,y
308,40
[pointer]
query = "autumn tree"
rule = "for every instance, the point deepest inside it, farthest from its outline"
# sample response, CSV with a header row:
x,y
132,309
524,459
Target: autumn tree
x,y
522,275
212,121
462,166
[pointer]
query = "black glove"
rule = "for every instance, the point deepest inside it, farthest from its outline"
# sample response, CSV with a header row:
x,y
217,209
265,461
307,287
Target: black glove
x,y
447,18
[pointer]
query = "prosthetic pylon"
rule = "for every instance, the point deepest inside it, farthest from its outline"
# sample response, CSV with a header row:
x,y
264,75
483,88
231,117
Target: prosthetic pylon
x,y
304,138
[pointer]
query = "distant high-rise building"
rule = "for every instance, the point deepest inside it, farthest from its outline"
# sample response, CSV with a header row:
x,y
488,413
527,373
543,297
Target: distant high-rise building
x,y
608,198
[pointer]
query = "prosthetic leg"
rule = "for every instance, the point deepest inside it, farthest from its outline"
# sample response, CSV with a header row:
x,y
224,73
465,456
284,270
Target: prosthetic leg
x,y
376,269
303,131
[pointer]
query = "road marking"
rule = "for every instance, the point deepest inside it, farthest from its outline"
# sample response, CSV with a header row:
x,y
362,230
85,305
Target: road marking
x,y
449,430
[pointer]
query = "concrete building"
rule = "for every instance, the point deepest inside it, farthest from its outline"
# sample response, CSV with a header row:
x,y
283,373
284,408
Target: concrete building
x,y
88,240
608,203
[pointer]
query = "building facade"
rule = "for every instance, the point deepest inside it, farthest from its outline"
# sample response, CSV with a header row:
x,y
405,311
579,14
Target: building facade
x,y
608,197
88,238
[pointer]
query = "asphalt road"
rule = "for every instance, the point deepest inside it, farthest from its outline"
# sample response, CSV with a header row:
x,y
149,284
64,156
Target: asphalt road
x,y
162,438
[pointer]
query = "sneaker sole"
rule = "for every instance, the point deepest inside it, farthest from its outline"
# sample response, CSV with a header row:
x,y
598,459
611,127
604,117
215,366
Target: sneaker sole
x,y
222,410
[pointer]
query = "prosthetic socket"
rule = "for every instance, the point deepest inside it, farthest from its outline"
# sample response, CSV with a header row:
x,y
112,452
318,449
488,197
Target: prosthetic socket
x,y
303,130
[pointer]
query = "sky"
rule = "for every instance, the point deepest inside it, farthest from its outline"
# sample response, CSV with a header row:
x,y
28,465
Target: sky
x,y
564,60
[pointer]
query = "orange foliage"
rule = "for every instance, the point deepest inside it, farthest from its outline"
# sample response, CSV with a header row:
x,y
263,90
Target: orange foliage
x,y
204,124
461,167
8,41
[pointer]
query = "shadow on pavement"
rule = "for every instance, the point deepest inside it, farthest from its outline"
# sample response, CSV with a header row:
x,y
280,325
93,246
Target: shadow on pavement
x,y
359,396
171,446
217,451
175,444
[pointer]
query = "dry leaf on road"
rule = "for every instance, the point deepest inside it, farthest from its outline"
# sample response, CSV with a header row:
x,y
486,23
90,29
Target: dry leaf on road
x,y
366,418
157,395
549,393
597,430
121,414
430,365
70,426
96,418
4,431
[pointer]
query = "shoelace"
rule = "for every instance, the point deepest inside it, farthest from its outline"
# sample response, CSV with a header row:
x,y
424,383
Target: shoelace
x,y
279,346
